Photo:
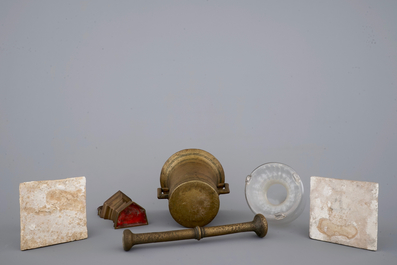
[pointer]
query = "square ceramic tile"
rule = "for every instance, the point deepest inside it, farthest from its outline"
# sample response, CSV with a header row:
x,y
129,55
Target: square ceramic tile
x,y
52,212
344,212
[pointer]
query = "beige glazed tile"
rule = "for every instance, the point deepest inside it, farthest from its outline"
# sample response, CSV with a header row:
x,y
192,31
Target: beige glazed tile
x,y
344,212
52,212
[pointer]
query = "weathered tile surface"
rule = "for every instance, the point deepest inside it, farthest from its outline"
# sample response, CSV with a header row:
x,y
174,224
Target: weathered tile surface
x,y
344,212
52,212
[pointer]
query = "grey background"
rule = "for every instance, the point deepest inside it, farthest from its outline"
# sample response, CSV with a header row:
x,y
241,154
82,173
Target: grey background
x,y
110,89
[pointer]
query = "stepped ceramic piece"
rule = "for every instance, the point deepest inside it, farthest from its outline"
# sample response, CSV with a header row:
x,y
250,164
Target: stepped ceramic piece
x,y
52,212
344,212
277,209
192,180
122,211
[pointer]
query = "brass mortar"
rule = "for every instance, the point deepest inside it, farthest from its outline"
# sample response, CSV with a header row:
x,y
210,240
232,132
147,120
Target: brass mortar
x,y
192,180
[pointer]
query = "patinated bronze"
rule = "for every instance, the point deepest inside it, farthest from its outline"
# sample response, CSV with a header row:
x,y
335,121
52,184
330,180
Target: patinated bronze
x,y
192,180
258,225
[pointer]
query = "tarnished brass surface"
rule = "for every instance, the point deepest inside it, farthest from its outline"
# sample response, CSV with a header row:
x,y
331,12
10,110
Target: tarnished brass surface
x,y
192,180
258,225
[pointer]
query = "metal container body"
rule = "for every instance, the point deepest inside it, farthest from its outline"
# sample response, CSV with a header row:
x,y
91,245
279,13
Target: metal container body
x,y
192,180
